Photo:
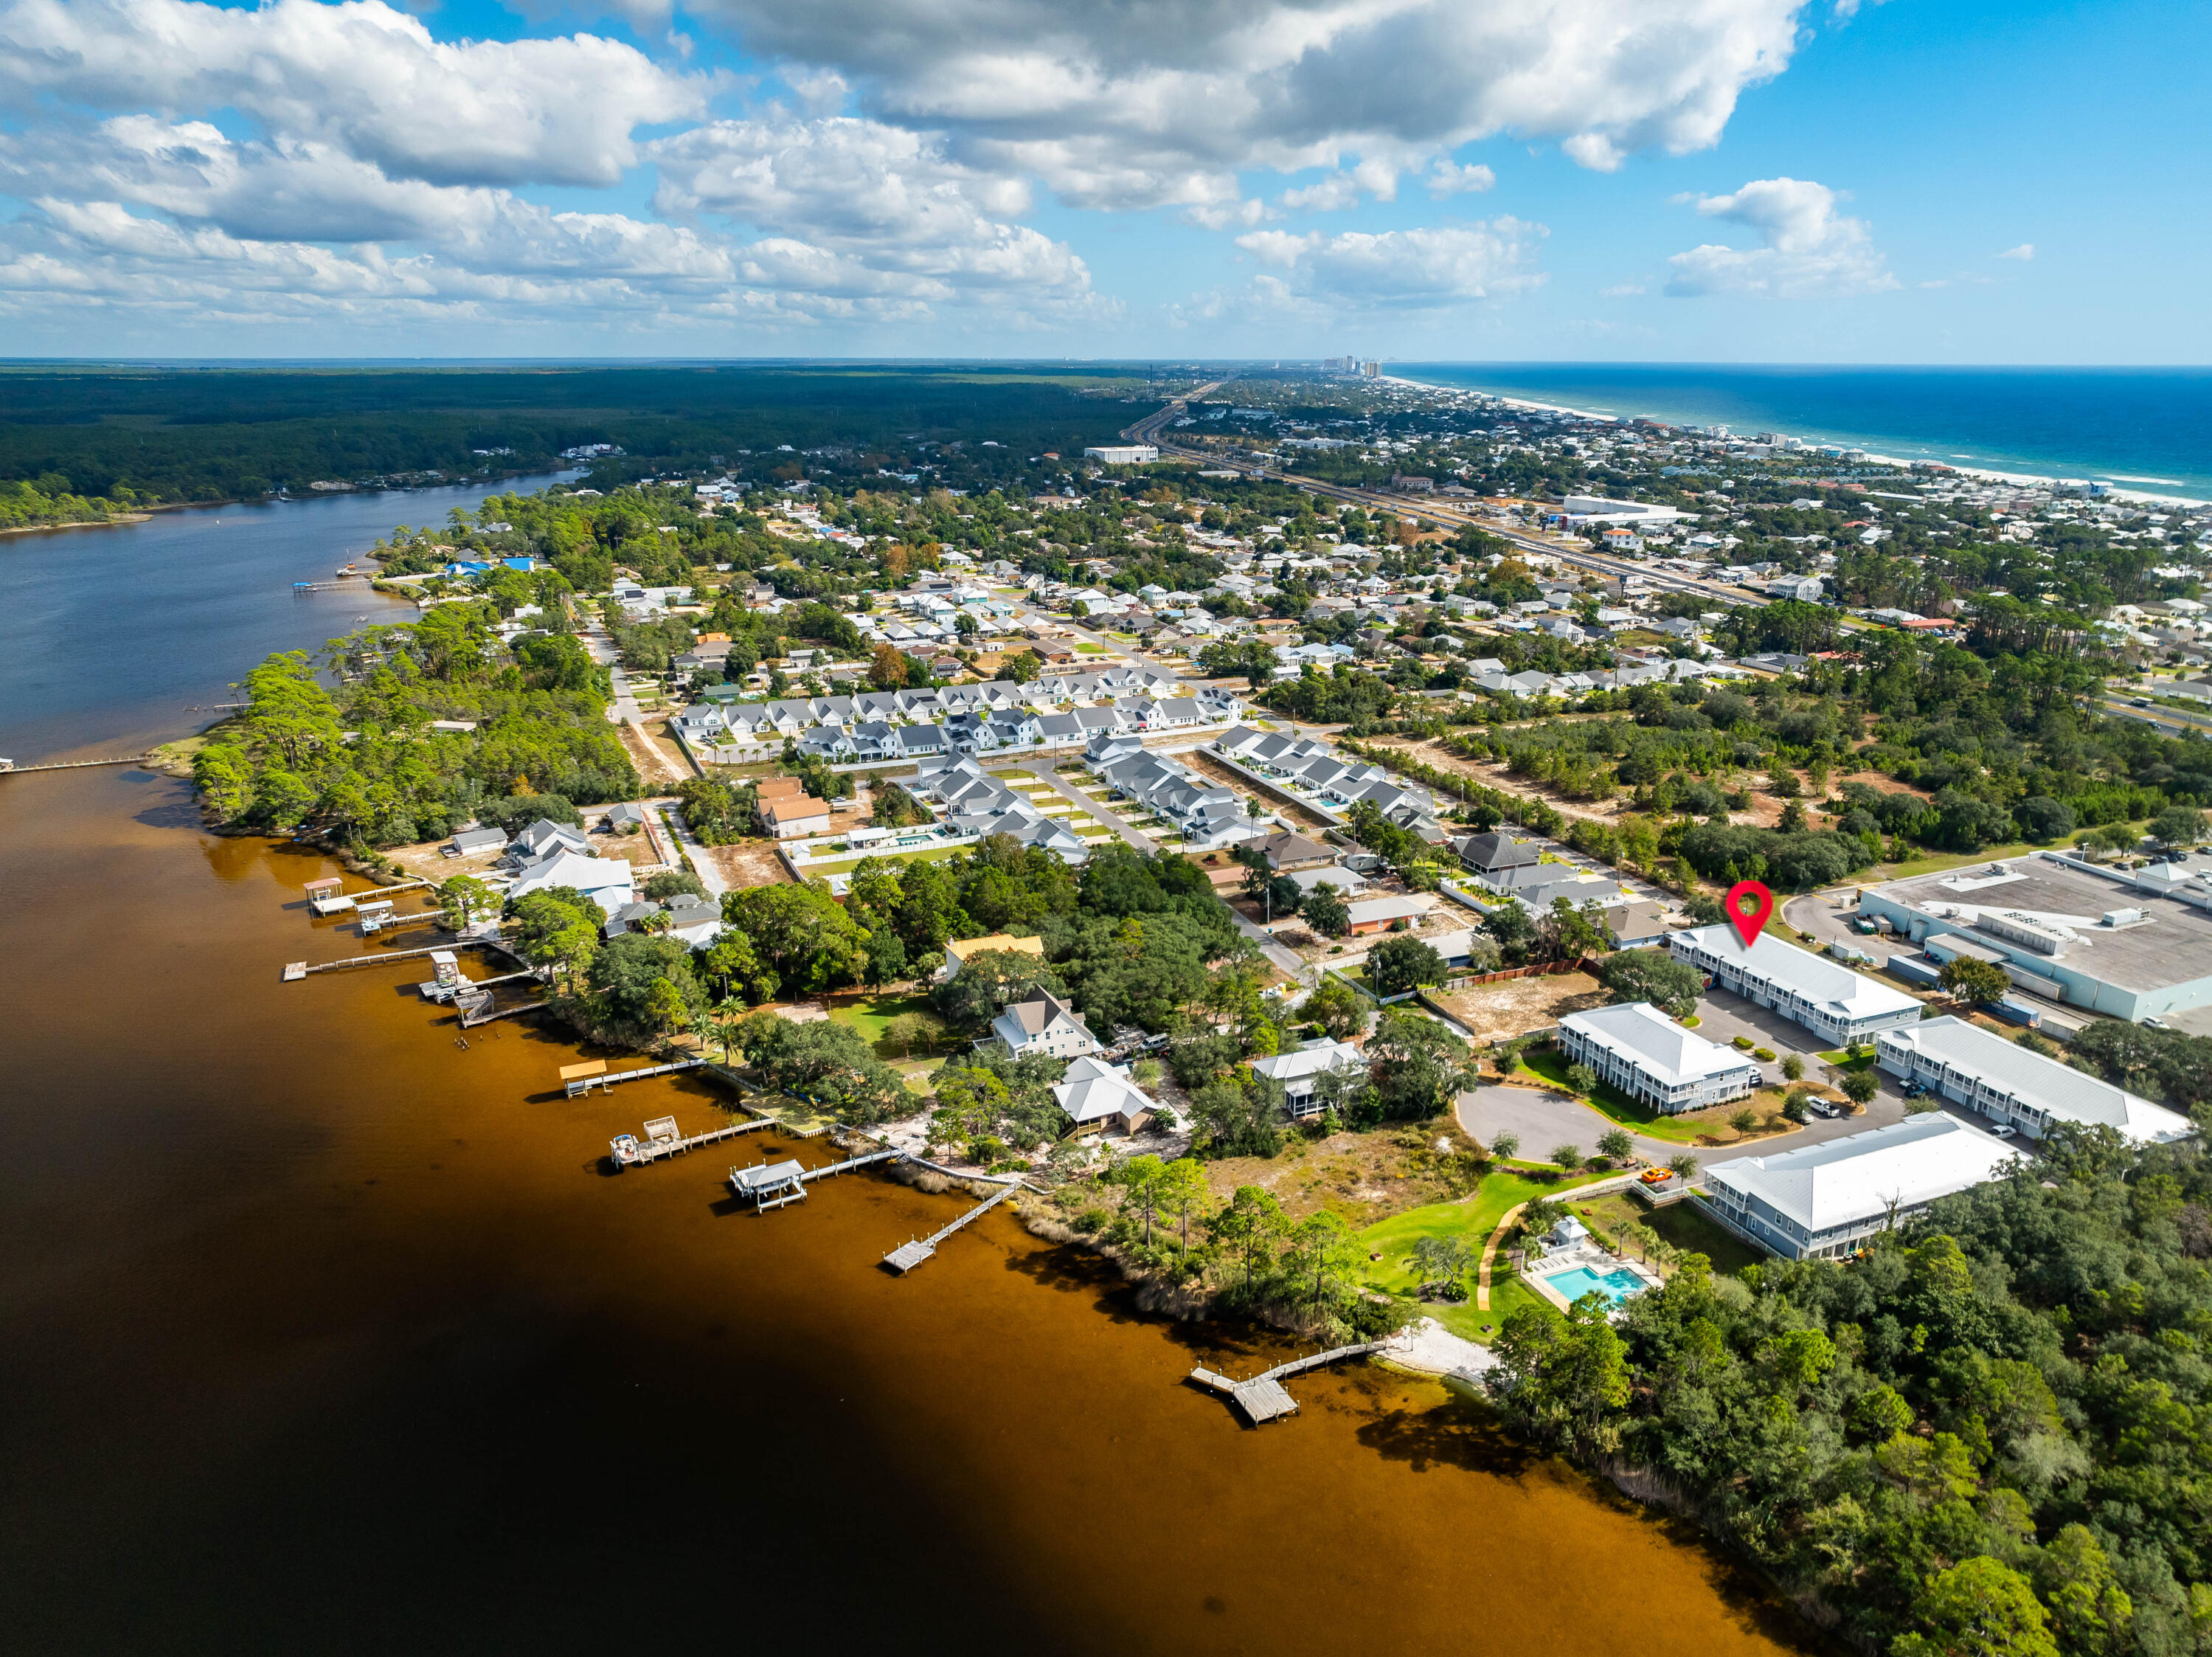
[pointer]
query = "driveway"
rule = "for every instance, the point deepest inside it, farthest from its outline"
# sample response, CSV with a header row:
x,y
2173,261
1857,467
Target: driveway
x,y
1722,1015
1817,915
1544,1120
1284,960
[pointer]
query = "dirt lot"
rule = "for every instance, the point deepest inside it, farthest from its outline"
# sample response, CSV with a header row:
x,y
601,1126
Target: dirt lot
x,y
1363,1177
1207,764
1512,1007
752,863
656,760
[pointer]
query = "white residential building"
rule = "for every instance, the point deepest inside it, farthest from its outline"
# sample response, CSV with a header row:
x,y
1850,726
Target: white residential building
x,y
1301,1070
1825,1201
1098,1095
2007,1083
1043,1023
1649,1056
1826,996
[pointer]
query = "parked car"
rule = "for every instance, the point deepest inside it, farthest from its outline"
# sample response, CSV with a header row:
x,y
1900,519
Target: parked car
x,y
2004,1130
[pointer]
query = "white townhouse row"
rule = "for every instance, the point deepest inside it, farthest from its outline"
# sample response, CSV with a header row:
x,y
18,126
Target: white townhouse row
x,y
2008,1084
1826,1201
1649,1056
1056,710
975,803
1826,996
1317,771
1206,813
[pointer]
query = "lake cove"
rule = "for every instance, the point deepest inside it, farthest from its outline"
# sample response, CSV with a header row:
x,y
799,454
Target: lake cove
x,y
323,1332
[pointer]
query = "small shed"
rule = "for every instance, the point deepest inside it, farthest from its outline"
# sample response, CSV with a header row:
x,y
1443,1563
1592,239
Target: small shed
x,y
469,841
445,967
1567,1233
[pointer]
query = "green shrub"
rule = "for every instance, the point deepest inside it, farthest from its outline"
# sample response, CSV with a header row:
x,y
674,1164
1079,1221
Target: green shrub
x,y
1764,1055
1742,1043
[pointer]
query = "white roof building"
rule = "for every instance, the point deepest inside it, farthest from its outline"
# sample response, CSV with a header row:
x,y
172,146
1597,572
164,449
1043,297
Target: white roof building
x,y
1096,1095
2007,1083
1826,996
1301,1070
1825,1200
609,882
1649,1056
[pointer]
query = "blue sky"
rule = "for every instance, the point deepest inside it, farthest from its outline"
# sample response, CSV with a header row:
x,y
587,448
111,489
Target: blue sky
x,y
1708,181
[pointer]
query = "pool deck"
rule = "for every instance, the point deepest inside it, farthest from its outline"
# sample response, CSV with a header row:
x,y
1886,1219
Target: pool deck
x,y
1588,1258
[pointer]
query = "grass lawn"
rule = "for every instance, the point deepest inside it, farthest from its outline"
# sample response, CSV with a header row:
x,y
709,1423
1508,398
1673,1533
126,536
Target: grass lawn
x,y
1614,1104
1083,650
1931,863
1681,1224
1471,1220
873,1017
1864,1062
847,865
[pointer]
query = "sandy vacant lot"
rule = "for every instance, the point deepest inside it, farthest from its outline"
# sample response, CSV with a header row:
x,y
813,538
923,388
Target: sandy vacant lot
x,y
1513,1006
752,864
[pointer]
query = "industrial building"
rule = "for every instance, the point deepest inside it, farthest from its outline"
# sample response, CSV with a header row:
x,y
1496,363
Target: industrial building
x,y
1825,1201
1826,996
2135,946
2006,1082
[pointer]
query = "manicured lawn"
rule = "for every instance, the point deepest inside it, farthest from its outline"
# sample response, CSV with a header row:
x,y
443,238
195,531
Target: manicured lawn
x,y
1082,649
847,865
872,1018
1471,1220
1864,1062
1679,1223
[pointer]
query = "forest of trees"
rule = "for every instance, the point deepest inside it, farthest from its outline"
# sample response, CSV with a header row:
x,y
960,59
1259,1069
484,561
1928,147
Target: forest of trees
x,y
1990,1436
360,764
152,434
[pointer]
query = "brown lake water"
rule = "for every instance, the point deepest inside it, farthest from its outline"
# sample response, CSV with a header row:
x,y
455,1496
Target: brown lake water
x,y
319,1333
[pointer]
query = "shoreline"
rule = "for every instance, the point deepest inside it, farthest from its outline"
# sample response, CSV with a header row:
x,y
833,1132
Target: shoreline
x,y
2114,487
145,513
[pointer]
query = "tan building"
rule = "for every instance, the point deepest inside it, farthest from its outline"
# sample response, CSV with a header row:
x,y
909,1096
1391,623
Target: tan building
x,y
790,812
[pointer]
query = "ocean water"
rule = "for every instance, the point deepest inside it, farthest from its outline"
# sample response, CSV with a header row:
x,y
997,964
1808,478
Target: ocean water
x,y
2147,430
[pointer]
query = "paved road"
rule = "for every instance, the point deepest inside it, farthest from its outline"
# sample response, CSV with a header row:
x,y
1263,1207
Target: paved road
x,y
1545,1120
1287,961
1815,916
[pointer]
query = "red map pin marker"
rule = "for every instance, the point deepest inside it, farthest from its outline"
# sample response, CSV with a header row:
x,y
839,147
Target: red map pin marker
x,y
1749,919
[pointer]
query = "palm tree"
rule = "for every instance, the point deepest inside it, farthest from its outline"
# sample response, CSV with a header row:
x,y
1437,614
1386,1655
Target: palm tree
x,y
1683,1167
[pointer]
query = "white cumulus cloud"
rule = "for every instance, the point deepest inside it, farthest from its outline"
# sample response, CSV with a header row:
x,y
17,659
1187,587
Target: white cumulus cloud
x,y
1810,249
2025,252
1161,102
1407,269
361,76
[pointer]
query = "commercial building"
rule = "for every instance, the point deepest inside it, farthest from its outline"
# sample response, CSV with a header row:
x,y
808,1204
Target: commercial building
x,y
1649,1056
1123,454
2133,946
1826,996
1825,1201
2008,1084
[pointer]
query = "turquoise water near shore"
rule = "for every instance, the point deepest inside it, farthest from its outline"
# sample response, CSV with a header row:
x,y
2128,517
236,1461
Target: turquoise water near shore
x,y
2142,428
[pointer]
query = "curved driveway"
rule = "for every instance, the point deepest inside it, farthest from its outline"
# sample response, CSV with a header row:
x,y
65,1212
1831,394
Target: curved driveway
x,y
1544,1120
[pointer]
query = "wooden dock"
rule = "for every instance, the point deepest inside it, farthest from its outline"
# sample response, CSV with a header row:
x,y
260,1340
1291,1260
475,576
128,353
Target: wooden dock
x,y
908,1255
661,1140
10,769
325,898
1263,1398
607,1079
301,969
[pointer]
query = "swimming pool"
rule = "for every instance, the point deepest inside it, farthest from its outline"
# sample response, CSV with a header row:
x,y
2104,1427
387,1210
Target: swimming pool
x,y
1616,1285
